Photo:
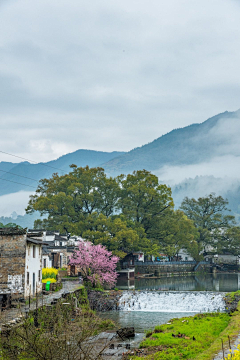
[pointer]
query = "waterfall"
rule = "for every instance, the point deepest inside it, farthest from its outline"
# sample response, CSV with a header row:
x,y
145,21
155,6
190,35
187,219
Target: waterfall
x,y
171,301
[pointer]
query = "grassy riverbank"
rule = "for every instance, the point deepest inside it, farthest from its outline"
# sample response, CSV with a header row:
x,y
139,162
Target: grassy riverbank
x,y
198,337
183,338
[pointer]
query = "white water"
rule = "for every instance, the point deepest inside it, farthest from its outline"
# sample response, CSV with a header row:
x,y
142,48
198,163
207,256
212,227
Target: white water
x,y
154,301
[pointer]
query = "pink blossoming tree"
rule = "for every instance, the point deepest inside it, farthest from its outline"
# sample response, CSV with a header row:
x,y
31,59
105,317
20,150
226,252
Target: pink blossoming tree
x,y
96,263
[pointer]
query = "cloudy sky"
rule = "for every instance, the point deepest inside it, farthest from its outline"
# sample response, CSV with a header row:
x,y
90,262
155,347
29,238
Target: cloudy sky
x,y
112,75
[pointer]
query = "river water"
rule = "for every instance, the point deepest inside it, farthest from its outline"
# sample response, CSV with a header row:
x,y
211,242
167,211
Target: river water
x,y
156,301
224,282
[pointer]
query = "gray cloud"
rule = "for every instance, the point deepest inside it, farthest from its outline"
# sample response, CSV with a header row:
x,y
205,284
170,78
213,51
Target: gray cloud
x,y
221,167
112,75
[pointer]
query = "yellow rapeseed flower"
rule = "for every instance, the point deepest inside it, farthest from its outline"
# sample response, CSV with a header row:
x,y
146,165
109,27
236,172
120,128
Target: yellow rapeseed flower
x,y
49,279
234,355
49,273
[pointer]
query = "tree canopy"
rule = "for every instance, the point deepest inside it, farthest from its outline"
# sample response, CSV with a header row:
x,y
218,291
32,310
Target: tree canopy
x,y
143,200
132,212
175,232
209,215
119,213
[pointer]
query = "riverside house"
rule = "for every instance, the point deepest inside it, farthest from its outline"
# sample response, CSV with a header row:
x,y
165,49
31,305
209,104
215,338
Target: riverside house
x,y
20,262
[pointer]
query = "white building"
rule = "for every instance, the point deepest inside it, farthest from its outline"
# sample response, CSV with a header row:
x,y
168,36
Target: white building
x,y
33,267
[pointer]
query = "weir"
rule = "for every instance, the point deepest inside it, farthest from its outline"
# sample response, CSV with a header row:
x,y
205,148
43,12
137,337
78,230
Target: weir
x,y
166,301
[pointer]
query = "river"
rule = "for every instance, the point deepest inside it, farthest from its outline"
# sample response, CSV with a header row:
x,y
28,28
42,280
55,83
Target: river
x,y
156,301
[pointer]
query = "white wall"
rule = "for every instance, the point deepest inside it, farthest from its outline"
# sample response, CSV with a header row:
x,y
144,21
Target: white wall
x,y
48,261
32,266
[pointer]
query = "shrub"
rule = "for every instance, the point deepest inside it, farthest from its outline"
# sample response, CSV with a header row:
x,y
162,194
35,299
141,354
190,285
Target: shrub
x,y
49,273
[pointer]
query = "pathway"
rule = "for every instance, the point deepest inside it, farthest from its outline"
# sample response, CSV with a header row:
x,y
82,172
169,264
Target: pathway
x,y
234,344
11,315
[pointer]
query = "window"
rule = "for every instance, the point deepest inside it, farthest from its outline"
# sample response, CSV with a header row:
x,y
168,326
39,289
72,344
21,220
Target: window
x,y
27,278
34,251
60,243
44,263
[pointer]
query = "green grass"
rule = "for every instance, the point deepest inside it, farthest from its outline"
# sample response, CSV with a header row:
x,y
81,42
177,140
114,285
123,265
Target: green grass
x,y
231,331
232,295
161,344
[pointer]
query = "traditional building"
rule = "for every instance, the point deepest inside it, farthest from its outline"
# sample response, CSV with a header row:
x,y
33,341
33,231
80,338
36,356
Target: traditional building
x,y
20,262
58,248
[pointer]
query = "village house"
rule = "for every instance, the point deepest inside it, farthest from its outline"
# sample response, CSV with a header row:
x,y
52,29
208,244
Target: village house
x,y
20,262
57,248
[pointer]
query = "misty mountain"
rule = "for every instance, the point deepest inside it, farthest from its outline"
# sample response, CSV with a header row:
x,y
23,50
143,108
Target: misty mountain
x,y
192,144
195,161
25,176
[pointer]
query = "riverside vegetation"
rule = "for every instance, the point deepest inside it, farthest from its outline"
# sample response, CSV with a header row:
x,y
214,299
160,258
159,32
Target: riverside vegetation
x,y
58,332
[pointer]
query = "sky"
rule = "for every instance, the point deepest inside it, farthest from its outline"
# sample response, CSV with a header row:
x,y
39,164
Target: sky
x,y
112,75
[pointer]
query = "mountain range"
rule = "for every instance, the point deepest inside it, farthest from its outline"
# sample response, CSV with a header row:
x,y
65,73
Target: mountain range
x,y
182,158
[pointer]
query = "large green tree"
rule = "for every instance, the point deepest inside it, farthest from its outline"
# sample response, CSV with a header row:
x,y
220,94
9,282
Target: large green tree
x,y
127,213
143,200
68,200
209,215
176,232
229,241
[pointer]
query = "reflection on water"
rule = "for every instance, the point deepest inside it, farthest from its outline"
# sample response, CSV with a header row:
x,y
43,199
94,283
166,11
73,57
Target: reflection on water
x,y
209,282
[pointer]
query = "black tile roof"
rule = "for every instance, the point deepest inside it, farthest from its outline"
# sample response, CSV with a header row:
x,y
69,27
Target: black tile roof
x,y
35,241
13,231
58,237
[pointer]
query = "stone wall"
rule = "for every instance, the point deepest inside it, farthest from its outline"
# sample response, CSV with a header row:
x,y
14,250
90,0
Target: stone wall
x,y
104,301
158,269
12,263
